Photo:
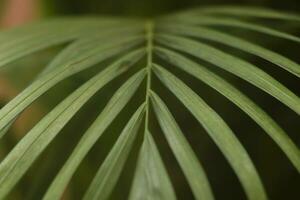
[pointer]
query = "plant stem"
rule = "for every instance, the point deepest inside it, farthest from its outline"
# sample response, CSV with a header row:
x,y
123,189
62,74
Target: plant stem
x,y
149,38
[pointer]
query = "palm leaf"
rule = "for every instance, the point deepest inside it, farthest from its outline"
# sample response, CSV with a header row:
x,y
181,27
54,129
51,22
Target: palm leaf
x,y
16,163
216,36
250,12
18,42
117,102
151,179
236,66
238,98
219,131
44,83
110,170
186,157
137,50
229,22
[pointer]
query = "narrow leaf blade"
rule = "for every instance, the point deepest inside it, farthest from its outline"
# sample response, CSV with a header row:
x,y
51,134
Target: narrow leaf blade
x,y
234,41
239,99
221,134
95,53
229,22
236,66
18,161
151,180
110,170
183,152
249,12
109,113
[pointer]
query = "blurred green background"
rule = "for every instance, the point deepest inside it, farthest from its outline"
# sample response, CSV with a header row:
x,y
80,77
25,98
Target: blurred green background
x,y
153,7
280,178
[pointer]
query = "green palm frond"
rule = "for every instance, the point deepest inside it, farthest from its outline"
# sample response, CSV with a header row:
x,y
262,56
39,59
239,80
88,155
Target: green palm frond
x,y
142,48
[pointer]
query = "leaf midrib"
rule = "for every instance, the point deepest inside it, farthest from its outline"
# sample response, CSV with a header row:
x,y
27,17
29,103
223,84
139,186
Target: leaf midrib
x,y
149,48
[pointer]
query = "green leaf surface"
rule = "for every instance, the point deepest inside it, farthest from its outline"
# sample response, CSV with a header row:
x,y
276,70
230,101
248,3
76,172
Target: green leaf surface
x,y
17,162
180,40
85,44
182,150
109,113
234,65
219,131
94,55
110,170
229,22
238,98
151,180
20,42
248,12
234,41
